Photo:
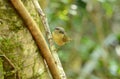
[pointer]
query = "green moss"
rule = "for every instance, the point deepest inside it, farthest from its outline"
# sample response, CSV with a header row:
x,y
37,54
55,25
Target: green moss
x,y
10,17
8,45
1,69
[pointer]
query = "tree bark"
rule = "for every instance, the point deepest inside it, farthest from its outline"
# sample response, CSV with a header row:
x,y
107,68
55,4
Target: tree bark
x,y
19,53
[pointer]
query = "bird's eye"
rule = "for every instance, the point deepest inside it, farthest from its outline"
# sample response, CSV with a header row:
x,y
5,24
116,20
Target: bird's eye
x,y
61,32
56,28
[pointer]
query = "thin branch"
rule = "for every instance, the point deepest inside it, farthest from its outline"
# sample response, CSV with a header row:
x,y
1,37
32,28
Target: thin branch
x,y
49,36
45,23
36,33
10,62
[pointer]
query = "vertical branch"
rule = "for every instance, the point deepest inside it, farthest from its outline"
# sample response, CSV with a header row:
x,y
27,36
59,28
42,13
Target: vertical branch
x,y
49,36
38,37
45,23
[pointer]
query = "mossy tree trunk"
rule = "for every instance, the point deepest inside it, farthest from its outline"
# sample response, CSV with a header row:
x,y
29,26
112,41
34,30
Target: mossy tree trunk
x,y
19,55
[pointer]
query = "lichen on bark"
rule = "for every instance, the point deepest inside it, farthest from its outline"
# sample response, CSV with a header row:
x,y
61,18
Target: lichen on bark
x,y
17,43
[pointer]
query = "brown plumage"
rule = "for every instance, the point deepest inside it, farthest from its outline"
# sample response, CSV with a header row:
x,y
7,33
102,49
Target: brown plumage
x,y
59,36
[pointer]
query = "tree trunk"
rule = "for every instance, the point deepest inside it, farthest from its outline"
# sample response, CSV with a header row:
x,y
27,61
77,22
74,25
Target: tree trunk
x,y
19,55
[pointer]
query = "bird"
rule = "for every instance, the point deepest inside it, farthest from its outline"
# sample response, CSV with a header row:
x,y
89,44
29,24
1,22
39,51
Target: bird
x,y
59,36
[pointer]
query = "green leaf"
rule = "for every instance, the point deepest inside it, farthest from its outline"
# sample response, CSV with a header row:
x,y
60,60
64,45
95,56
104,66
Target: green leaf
x,y
108,8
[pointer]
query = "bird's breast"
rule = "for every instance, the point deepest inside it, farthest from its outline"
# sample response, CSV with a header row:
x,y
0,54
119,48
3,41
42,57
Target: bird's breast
x,y
58,38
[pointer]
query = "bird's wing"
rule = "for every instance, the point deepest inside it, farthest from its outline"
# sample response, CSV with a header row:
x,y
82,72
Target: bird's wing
x,y
65,38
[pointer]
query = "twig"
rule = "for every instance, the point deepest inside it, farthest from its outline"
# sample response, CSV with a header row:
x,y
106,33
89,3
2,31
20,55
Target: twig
x,y
45,23
49,36
9,61
39,38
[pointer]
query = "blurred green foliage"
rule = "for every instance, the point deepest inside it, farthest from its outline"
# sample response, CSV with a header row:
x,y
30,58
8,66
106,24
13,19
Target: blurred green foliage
x,y
89,23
